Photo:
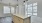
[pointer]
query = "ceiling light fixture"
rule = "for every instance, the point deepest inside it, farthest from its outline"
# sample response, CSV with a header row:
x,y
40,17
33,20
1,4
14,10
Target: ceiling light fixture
x,y
17,3
24,2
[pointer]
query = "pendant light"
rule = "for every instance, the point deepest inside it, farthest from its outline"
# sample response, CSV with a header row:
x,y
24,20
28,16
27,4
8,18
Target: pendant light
x,y
24,2
17,3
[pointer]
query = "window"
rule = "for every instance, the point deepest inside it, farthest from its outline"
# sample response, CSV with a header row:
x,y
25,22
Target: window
x,y
31,9
34,8
6,9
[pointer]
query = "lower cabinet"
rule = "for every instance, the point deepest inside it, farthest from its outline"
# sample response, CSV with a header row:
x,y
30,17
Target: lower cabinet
x,y
17,19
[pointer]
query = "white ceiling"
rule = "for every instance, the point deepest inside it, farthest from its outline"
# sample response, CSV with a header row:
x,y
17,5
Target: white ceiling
x,y
12,2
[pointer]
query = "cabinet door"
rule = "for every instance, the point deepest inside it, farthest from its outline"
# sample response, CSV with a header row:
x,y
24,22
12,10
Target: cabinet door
x,y
15,19
20,20
27,20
